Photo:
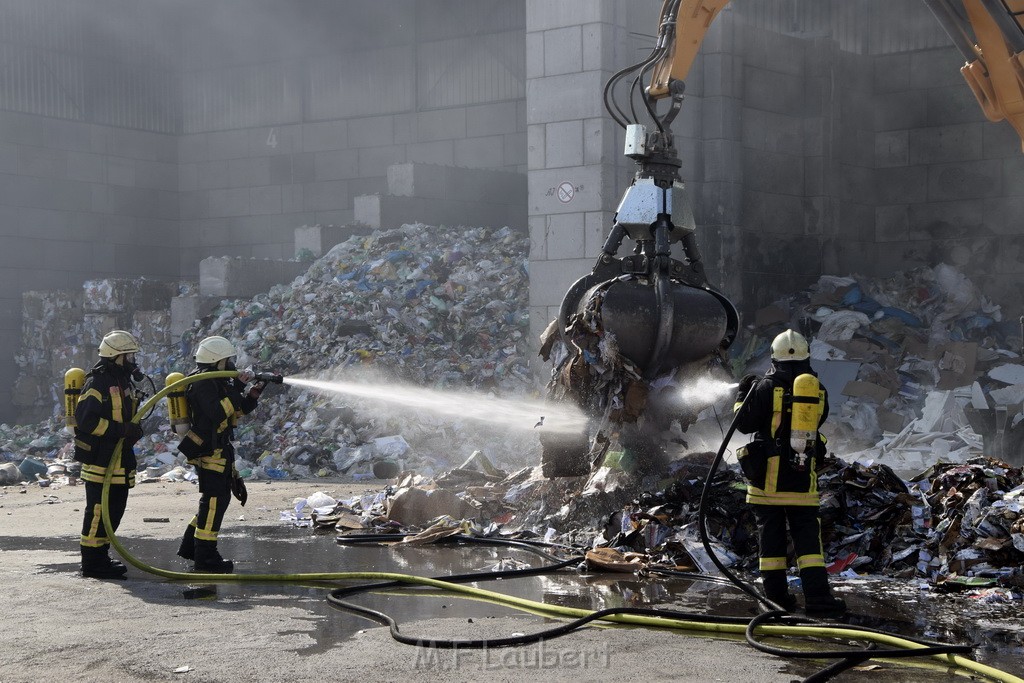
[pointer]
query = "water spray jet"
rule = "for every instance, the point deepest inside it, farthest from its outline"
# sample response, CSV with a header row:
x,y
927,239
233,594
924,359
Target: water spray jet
x,y
526,414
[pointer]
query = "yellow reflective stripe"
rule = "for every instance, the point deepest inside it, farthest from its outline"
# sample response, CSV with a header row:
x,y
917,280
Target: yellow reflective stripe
x,y
213,462
805,561
223,425
92,393
736,406
101,427
116,405
194,438
776,409
771,477
95,526
97,473
228,406
766,564
760,497
206,532
92,542
83,445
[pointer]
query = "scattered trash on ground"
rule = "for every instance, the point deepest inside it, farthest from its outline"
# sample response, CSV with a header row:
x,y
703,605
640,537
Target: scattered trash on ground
x,y
925,377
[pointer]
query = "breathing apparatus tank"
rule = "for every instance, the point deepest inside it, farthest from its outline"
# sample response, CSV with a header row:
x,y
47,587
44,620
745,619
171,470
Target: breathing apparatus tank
x,y
803,431
74,380
177,406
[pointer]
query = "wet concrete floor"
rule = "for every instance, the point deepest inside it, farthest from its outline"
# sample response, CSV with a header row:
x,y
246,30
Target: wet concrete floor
x,y
890,605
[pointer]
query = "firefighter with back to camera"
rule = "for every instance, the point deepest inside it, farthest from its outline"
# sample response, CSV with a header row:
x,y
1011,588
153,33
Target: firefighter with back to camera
x,y
214,406
784,410
102,417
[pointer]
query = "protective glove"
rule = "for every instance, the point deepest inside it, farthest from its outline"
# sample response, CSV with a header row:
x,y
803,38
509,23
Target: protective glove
x,y
744,387
238,490
257,389
246,376
131,433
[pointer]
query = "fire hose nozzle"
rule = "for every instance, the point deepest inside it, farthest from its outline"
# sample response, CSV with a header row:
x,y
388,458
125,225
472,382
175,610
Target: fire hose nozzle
x,y
269,377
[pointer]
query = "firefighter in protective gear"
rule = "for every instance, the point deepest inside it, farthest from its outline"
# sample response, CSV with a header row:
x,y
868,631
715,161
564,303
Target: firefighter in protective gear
x,y
108,401
215,406
783,411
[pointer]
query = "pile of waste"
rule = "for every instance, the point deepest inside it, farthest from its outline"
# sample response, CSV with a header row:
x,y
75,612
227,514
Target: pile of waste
x,y
435,306
917,364
957,524
914,362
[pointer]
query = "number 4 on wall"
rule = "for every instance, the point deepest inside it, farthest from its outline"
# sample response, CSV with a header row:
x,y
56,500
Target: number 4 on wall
x,y
272,138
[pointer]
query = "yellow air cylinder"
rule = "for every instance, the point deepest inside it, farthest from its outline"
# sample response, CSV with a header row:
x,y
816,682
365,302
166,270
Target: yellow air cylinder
x,y
177,406
74,380
803,426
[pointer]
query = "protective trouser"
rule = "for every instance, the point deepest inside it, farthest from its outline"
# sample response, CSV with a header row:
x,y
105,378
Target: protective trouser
x,y
199,542
94,534
804,526
95,545
805,529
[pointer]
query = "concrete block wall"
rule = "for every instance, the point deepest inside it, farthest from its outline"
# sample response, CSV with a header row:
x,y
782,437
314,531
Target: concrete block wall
x,y
448,195
242,192
235,277
575,177
79,201
950,184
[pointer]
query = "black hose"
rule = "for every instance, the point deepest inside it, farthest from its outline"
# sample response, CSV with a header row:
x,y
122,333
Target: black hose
x,y
929,647
702,512
848,658
335,599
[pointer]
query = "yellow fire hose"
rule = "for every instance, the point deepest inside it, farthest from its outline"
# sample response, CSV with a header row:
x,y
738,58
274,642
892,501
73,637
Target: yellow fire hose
x,y
519,603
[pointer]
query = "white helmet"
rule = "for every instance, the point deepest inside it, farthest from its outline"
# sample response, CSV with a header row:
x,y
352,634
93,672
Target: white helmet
x,y
790,345
214,349
117,342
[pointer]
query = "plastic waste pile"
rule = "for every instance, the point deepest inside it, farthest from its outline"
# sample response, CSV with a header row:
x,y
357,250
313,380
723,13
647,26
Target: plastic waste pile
x,y
426,305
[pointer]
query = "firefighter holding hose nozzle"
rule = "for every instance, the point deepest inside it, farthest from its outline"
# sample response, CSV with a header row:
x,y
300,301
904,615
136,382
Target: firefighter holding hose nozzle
x,y
784,410
214,406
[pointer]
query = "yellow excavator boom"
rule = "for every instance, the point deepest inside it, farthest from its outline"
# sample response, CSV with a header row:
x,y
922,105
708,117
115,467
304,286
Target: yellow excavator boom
x,y
989,33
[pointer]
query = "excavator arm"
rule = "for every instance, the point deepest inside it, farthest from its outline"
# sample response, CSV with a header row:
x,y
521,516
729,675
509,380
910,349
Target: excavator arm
x,y
988,33
990,36
683,26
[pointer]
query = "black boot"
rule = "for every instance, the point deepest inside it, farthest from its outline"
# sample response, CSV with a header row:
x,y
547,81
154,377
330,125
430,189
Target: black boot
x,y
208,559
776,589
818,598
96,564
187,549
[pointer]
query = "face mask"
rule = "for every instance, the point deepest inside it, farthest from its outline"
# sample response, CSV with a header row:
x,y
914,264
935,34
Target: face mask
x,y
132,367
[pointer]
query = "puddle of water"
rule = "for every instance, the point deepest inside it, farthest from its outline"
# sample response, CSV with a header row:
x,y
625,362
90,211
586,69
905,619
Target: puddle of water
x,y
890,605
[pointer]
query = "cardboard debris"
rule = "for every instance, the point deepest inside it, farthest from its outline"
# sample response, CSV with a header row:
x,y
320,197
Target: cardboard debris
x,y
866,390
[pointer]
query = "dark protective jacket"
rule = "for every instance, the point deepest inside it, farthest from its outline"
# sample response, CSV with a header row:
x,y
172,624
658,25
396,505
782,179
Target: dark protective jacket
x,y
214,406
774,475
108,401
